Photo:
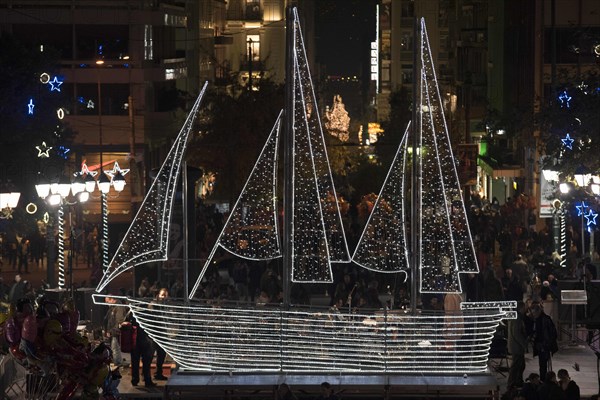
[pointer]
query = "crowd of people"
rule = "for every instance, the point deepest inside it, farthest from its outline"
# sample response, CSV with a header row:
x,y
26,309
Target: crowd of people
x,y
514,250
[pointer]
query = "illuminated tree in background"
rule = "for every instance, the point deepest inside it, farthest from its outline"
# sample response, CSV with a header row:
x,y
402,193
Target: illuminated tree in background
x,y
337,120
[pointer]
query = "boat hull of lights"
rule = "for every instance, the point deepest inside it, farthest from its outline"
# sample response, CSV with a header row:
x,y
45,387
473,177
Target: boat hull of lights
x,y
215,338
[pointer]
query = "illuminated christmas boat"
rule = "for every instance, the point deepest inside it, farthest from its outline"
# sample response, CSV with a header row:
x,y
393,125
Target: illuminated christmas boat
x,y
216,337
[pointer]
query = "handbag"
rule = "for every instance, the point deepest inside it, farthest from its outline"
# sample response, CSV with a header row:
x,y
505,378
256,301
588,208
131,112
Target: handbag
x,y
128,337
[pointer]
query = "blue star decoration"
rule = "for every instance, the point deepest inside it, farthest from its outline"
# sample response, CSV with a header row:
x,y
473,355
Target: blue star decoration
x,y
591,217
568,142
62,151
30,105
581,208
564,99
55,84
43,150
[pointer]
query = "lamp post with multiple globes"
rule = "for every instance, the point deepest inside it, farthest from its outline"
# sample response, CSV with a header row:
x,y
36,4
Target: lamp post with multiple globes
x,y
64,193
9,198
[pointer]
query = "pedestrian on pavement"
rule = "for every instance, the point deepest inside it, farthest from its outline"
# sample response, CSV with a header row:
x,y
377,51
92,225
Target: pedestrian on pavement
x,y
24,255
568,386
161,354
531,387
17,290
142,350
517,346
543,337
550,390
285,393
114,318
326,392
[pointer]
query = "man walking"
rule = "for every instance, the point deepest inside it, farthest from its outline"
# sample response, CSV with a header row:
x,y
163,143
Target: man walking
x,y
543,336
517,346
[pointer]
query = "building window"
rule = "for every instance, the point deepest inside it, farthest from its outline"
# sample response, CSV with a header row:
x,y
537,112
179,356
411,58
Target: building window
x,y
253,11
253,47
408,9
406,42
148,51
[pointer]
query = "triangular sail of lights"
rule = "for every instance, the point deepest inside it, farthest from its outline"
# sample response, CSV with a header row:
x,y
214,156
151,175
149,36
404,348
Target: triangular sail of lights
x,y
317,236
147,238
382,246
251,228
445,243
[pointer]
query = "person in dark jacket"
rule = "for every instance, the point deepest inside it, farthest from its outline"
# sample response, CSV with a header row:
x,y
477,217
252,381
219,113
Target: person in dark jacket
x,y
161,354
543,336
550,390
531,387
143,350
568,386
517,346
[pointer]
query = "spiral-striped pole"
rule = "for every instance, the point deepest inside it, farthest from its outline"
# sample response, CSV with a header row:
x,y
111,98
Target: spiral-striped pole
x,y
563,239
104,232
61,248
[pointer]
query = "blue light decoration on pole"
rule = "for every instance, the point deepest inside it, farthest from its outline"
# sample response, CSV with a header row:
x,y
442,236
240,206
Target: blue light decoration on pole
x,y
55,84
565,99
591,218
568,141
30,106
581,208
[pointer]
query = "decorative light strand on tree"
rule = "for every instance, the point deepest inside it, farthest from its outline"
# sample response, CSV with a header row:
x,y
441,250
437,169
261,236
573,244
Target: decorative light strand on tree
x,y
568,141
565,99
147,238
337,121
61,248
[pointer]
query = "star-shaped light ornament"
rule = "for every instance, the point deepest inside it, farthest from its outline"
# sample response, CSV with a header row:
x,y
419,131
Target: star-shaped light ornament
x,y
30,106
43,150
55,84
85,171
581,208
564,99
568,141
90,104
62,151
591,217
116,169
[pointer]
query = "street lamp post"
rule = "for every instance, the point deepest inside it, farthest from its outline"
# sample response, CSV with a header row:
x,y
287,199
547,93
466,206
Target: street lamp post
x,y
9,198
56,194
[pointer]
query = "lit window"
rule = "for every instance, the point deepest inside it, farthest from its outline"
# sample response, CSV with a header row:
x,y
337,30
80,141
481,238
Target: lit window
x,y
148,52
253,42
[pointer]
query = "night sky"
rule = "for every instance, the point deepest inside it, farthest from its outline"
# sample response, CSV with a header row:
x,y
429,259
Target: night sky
x,y
344,30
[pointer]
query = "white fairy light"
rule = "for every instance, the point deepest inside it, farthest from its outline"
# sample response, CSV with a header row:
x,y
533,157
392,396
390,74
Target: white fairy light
x,y
147,238
382,246
446,246
202,337
318,236
251,228
337,120
227,337
61,248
